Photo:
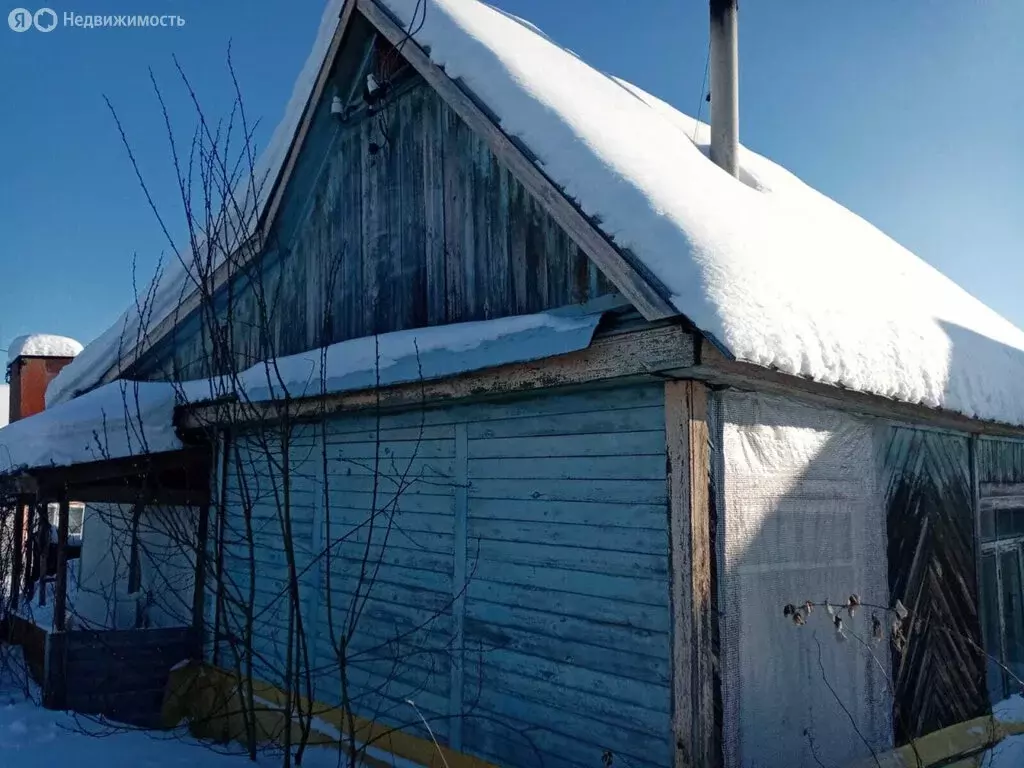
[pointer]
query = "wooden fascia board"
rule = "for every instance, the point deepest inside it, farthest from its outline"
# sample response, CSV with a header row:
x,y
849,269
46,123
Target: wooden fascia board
x,y
604,254
643,353
191,302
716,369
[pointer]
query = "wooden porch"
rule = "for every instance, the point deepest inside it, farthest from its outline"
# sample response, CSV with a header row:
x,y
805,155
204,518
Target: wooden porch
x,y
119,673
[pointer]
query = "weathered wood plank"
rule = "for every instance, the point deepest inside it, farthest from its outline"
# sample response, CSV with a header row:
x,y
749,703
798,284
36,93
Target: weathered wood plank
x,y
629,418
587,513
644,566
638,290
455,215
614,444
628,589
693,661
374,234
615,491
345,278
940,675
433,176
639,540
559,605
650,467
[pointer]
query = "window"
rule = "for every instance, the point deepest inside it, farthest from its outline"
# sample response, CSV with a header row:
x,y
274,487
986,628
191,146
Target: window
x,y
1002,590
76,520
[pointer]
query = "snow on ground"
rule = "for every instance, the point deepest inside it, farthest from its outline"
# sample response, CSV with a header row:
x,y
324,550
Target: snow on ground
x,y
42,345
1009,753
1010,710
33,737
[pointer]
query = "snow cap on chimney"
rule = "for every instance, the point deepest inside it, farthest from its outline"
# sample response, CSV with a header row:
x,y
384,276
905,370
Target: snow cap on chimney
x,y
42,345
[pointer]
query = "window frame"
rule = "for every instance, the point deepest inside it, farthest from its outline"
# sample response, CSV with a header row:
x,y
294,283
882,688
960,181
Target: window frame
x,y
994,497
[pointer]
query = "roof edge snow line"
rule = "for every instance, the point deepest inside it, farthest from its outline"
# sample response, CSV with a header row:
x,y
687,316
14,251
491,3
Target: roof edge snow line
x,y
778,274
126,418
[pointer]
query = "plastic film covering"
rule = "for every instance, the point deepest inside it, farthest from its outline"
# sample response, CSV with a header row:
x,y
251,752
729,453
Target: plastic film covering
x,y
801,518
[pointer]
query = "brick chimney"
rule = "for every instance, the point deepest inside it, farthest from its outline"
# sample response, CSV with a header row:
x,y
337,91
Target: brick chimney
x,y
32,363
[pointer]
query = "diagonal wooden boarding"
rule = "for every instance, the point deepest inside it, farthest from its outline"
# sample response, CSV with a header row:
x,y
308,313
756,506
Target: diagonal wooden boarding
x,y
939,677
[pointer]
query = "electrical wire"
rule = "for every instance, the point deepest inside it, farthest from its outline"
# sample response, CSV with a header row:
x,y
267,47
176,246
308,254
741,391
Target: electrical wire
x,y
703,90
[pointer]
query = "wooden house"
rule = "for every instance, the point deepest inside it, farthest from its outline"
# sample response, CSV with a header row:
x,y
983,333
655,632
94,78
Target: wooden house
x,y
562,429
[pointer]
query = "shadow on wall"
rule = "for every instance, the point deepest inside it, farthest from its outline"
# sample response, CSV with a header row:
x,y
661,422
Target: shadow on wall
x,y
803,519
818,504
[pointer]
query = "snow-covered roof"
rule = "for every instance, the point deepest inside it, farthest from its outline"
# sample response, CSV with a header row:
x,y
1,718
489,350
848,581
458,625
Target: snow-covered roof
x,y
114,421
125,418
779,274
42,345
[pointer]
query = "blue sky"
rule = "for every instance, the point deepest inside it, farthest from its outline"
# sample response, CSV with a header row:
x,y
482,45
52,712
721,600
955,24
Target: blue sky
x,y
908,112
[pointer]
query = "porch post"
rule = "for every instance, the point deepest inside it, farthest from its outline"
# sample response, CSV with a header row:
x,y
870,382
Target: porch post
x,y
17,552
692,594
199,593
43,545
30,544
60,599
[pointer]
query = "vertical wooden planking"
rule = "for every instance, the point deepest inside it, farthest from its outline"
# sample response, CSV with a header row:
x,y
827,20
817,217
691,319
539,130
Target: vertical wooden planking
x,y
392,310
461,480
518,222
469,189
484,168
347,279
374,225
940,675
536,246
686,433
413,233
431,229
579,273
455,214
497,256
433,201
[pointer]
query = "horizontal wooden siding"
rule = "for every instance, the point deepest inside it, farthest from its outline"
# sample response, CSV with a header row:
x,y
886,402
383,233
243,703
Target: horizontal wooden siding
x,y
502,565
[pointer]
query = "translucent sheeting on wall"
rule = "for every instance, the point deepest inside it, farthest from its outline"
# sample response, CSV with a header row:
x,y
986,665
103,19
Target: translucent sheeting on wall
x,y
801,518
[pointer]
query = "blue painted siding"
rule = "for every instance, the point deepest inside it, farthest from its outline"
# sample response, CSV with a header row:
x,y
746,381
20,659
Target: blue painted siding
x,y
556,647
567,613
